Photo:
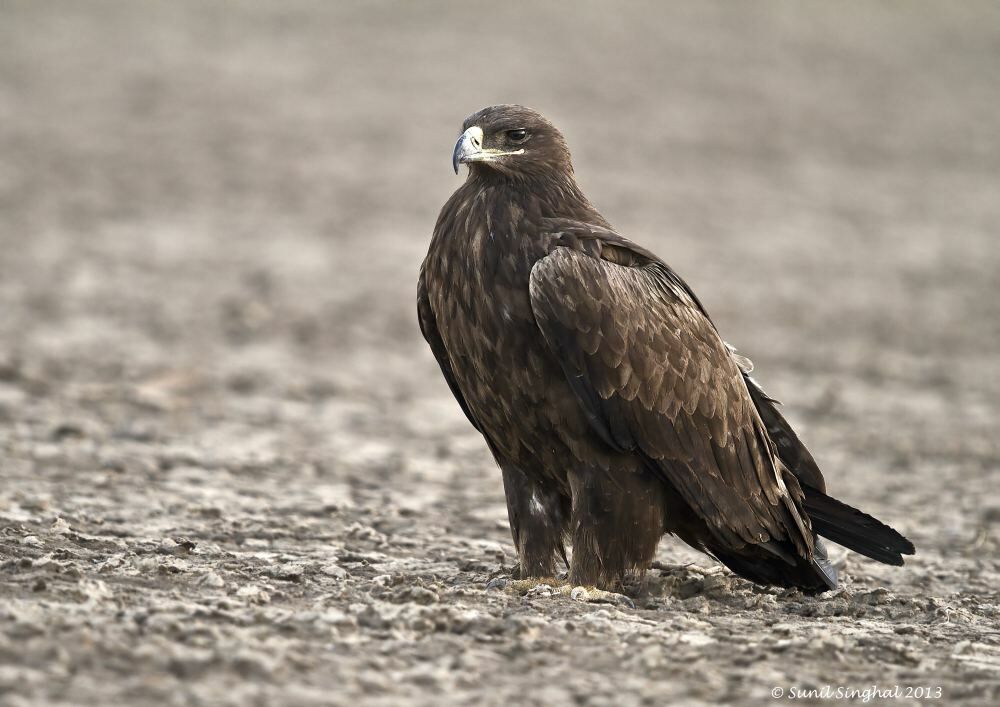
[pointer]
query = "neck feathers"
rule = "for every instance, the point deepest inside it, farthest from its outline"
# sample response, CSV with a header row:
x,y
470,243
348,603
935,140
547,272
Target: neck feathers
x,y
543,197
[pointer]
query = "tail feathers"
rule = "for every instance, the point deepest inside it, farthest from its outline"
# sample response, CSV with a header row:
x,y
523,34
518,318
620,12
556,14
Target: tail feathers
x,y
761,564
853,529
821,561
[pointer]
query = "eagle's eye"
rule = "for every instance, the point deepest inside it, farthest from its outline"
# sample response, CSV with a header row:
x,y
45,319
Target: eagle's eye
x,y
519,135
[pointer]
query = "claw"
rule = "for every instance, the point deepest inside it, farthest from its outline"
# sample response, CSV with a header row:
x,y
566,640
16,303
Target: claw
x,y
535,588
593,595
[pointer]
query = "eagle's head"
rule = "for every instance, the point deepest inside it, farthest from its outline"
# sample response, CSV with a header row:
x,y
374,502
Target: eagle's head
x,y
512,141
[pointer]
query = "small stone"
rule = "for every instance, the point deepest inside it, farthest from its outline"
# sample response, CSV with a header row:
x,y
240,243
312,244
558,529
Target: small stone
x,y
212,580
67,430
420,595
696,638
334,570
717,581
183,546
59,527
288,572
253,664
254,594
364,532
874,597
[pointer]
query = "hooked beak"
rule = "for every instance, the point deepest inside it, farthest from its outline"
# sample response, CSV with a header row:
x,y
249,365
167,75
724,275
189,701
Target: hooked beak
x,y
469,148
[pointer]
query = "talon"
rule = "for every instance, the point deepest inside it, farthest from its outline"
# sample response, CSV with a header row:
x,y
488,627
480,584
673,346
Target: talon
x,y
524,587
549,587
592,595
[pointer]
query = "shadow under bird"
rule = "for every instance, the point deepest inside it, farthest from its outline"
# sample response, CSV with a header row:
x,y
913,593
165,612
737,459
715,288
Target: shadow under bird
x,y
612,405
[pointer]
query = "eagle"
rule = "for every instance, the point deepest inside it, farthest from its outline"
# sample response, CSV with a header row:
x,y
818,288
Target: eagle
x,y
615,410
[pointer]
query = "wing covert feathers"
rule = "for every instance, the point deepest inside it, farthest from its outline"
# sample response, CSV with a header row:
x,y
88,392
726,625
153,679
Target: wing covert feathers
x,y
653,376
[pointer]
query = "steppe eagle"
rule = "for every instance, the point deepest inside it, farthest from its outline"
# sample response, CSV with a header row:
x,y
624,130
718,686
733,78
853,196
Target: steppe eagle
x,y
612,405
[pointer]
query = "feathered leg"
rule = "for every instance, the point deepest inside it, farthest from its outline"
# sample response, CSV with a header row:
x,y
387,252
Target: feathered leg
x,y
618,520
539,516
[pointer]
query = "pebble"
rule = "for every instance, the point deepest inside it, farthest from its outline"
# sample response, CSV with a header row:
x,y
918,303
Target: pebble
x,y
334,570
254,594
212,580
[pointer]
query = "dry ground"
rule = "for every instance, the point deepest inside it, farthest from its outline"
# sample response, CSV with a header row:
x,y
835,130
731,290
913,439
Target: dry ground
x,y
229,470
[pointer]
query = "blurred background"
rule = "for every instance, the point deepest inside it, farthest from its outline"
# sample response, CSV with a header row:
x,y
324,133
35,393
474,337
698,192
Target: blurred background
x,y
212,215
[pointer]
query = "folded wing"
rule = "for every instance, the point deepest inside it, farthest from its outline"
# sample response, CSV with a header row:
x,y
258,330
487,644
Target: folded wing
x,y
654,378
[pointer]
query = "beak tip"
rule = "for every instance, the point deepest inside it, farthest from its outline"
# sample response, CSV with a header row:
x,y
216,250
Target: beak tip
x,y
468,148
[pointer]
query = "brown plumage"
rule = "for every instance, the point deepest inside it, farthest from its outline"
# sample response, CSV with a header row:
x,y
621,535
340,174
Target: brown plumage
x,y
615,410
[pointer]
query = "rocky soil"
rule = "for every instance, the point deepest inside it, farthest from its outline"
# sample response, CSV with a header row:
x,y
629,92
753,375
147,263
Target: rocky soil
x,y
230,473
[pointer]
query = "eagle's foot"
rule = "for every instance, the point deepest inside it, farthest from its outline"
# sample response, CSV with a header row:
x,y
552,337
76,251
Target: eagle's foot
x,y
549,586
536,586
593,595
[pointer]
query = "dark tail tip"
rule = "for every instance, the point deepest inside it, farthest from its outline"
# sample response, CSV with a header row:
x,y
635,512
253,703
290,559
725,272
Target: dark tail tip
x,y
854,529
761,565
